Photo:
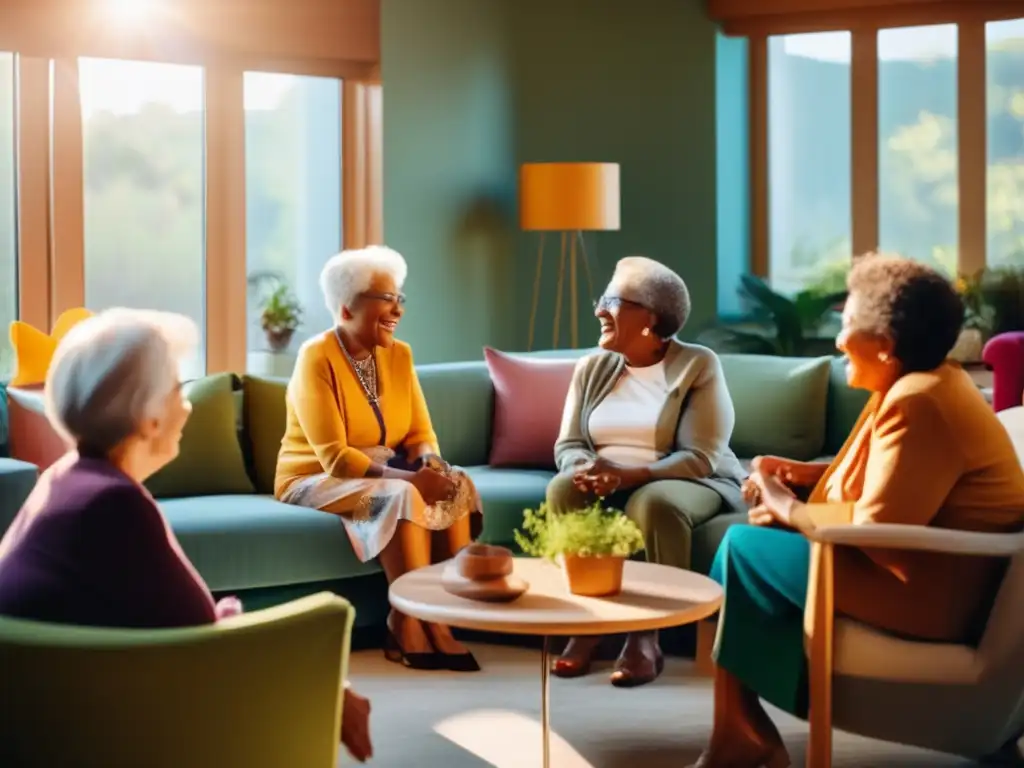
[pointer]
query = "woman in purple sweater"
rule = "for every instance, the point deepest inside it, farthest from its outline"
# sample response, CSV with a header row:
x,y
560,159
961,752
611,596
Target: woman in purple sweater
x,y
90,546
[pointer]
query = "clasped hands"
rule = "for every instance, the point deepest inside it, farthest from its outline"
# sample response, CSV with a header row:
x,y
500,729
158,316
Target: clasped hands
x,y
602,477
433,483
769,490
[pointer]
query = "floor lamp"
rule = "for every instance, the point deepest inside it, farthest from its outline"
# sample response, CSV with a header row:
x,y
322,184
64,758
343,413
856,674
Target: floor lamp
x,y
568,198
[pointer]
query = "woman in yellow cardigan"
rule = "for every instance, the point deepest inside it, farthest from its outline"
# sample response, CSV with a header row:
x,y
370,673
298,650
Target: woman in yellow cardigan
x,y
359,444
927,450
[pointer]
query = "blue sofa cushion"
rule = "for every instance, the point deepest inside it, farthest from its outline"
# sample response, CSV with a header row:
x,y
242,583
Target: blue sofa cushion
x,y
17,479
505,494
251,541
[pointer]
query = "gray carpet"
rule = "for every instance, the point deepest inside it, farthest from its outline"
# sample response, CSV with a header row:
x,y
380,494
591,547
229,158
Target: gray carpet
x,y
491,718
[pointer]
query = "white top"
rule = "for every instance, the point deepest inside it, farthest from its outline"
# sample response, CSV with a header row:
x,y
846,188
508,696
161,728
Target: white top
x,y
653,597
622,425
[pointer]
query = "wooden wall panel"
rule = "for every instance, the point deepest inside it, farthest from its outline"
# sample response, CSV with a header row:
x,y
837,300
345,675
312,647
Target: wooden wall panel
x,y
864,141
33,163
67,173
972,149
748,18
225,260
197,31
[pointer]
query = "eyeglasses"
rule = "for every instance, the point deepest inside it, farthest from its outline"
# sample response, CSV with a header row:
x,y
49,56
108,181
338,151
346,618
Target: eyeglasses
x,y
390,298
608,303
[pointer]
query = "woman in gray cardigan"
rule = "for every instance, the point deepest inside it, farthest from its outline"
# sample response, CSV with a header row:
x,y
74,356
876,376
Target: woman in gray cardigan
x,y
647,425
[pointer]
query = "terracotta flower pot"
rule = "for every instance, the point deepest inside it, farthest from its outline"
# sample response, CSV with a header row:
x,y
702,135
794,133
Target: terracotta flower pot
x,y
597,576
278,341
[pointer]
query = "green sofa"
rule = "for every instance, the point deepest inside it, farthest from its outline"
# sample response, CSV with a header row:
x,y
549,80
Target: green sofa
x,y
244,542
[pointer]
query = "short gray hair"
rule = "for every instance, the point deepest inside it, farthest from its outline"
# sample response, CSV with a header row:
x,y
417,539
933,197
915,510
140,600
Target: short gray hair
x,y
653,285
112,371
350,273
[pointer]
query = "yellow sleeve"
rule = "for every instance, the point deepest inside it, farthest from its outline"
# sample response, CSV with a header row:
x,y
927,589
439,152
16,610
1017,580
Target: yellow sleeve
x,y
421,430
318,410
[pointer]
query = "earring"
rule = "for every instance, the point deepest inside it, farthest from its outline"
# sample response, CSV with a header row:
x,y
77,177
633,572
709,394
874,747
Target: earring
x,y
883,356
645,332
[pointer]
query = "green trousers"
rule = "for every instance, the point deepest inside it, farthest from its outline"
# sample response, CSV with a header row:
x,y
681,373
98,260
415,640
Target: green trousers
x,y
666,511
761,623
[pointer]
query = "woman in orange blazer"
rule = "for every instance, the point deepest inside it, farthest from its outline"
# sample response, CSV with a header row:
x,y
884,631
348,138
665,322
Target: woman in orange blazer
x,y
927,450
359,444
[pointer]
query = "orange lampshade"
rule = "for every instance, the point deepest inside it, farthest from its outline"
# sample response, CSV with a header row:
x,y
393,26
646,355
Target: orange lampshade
x,y
569,196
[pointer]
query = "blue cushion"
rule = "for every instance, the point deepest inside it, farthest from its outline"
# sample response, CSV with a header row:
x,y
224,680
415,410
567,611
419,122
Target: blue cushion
x,y
251,541
505,494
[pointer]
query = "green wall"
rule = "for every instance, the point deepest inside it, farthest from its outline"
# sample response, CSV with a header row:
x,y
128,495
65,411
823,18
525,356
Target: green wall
x,y
472,88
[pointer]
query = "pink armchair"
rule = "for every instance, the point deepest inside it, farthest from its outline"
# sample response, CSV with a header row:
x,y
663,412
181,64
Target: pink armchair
x,y
1004,354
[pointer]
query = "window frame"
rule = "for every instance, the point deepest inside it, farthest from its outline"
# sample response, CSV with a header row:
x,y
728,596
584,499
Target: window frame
x,y
864,24
49,161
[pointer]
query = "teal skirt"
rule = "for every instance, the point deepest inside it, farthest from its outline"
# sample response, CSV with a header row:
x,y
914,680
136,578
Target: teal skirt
x,y
763,572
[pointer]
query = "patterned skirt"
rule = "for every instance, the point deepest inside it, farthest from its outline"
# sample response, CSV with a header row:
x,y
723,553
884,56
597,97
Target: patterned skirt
x,y
370,507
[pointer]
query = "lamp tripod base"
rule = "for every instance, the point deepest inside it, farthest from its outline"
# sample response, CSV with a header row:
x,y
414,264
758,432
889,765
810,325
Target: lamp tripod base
x,y
572,251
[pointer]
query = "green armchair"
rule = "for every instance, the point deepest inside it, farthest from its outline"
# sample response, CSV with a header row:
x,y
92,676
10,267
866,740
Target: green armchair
x,y
262,690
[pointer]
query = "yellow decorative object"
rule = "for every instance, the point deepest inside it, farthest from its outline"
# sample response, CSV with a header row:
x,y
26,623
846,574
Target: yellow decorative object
x,y
33,349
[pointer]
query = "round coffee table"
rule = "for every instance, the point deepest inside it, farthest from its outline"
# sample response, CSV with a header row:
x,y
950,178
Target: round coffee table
x,y
652,597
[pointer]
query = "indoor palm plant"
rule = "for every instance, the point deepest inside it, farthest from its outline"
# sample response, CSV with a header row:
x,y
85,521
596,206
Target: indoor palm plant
x,y
590,544
279,308
787,326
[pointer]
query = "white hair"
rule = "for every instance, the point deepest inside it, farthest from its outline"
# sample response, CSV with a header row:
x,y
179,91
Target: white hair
x,y
651,284
112,371
350,273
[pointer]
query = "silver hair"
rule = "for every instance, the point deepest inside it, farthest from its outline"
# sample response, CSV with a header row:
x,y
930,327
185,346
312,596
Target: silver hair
x,y
112,371
350,273
656,287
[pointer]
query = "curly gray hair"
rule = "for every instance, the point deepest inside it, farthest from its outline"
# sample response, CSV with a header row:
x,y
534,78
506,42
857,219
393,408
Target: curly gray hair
x,y
112,371
350,273
654,286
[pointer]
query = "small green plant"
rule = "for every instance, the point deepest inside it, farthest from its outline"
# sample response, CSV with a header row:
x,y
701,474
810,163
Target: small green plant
x,y
280,310
592,531
778,325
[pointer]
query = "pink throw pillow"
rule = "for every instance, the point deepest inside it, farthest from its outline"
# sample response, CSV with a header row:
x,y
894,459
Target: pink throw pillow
x,y
529,397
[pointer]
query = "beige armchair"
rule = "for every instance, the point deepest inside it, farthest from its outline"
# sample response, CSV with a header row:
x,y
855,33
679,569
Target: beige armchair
x,y
950,698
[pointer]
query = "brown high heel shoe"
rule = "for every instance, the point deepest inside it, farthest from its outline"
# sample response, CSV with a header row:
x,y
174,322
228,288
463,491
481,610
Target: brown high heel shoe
x,y
626,675
573,663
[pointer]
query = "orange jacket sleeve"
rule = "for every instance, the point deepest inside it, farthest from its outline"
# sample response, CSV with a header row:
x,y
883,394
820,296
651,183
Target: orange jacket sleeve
x,y
318,409
913,464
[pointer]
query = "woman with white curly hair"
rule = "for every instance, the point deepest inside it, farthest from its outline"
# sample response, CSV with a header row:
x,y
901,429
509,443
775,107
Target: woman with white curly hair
x,y
90,546
359,444
646,426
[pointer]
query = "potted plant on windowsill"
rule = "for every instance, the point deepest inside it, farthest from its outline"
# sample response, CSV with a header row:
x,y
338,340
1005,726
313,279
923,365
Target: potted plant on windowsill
x,y
279,308
590,544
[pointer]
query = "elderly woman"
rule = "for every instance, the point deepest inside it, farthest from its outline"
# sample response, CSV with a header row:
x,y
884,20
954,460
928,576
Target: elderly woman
x,y
90,546
927,450
359,444
647,425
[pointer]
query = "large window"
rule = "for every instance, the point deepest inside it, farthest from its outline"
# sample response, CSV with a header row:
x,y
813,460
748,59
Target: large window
x,y
808,157
1005,92
293,192
8,215
917,143
144,188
